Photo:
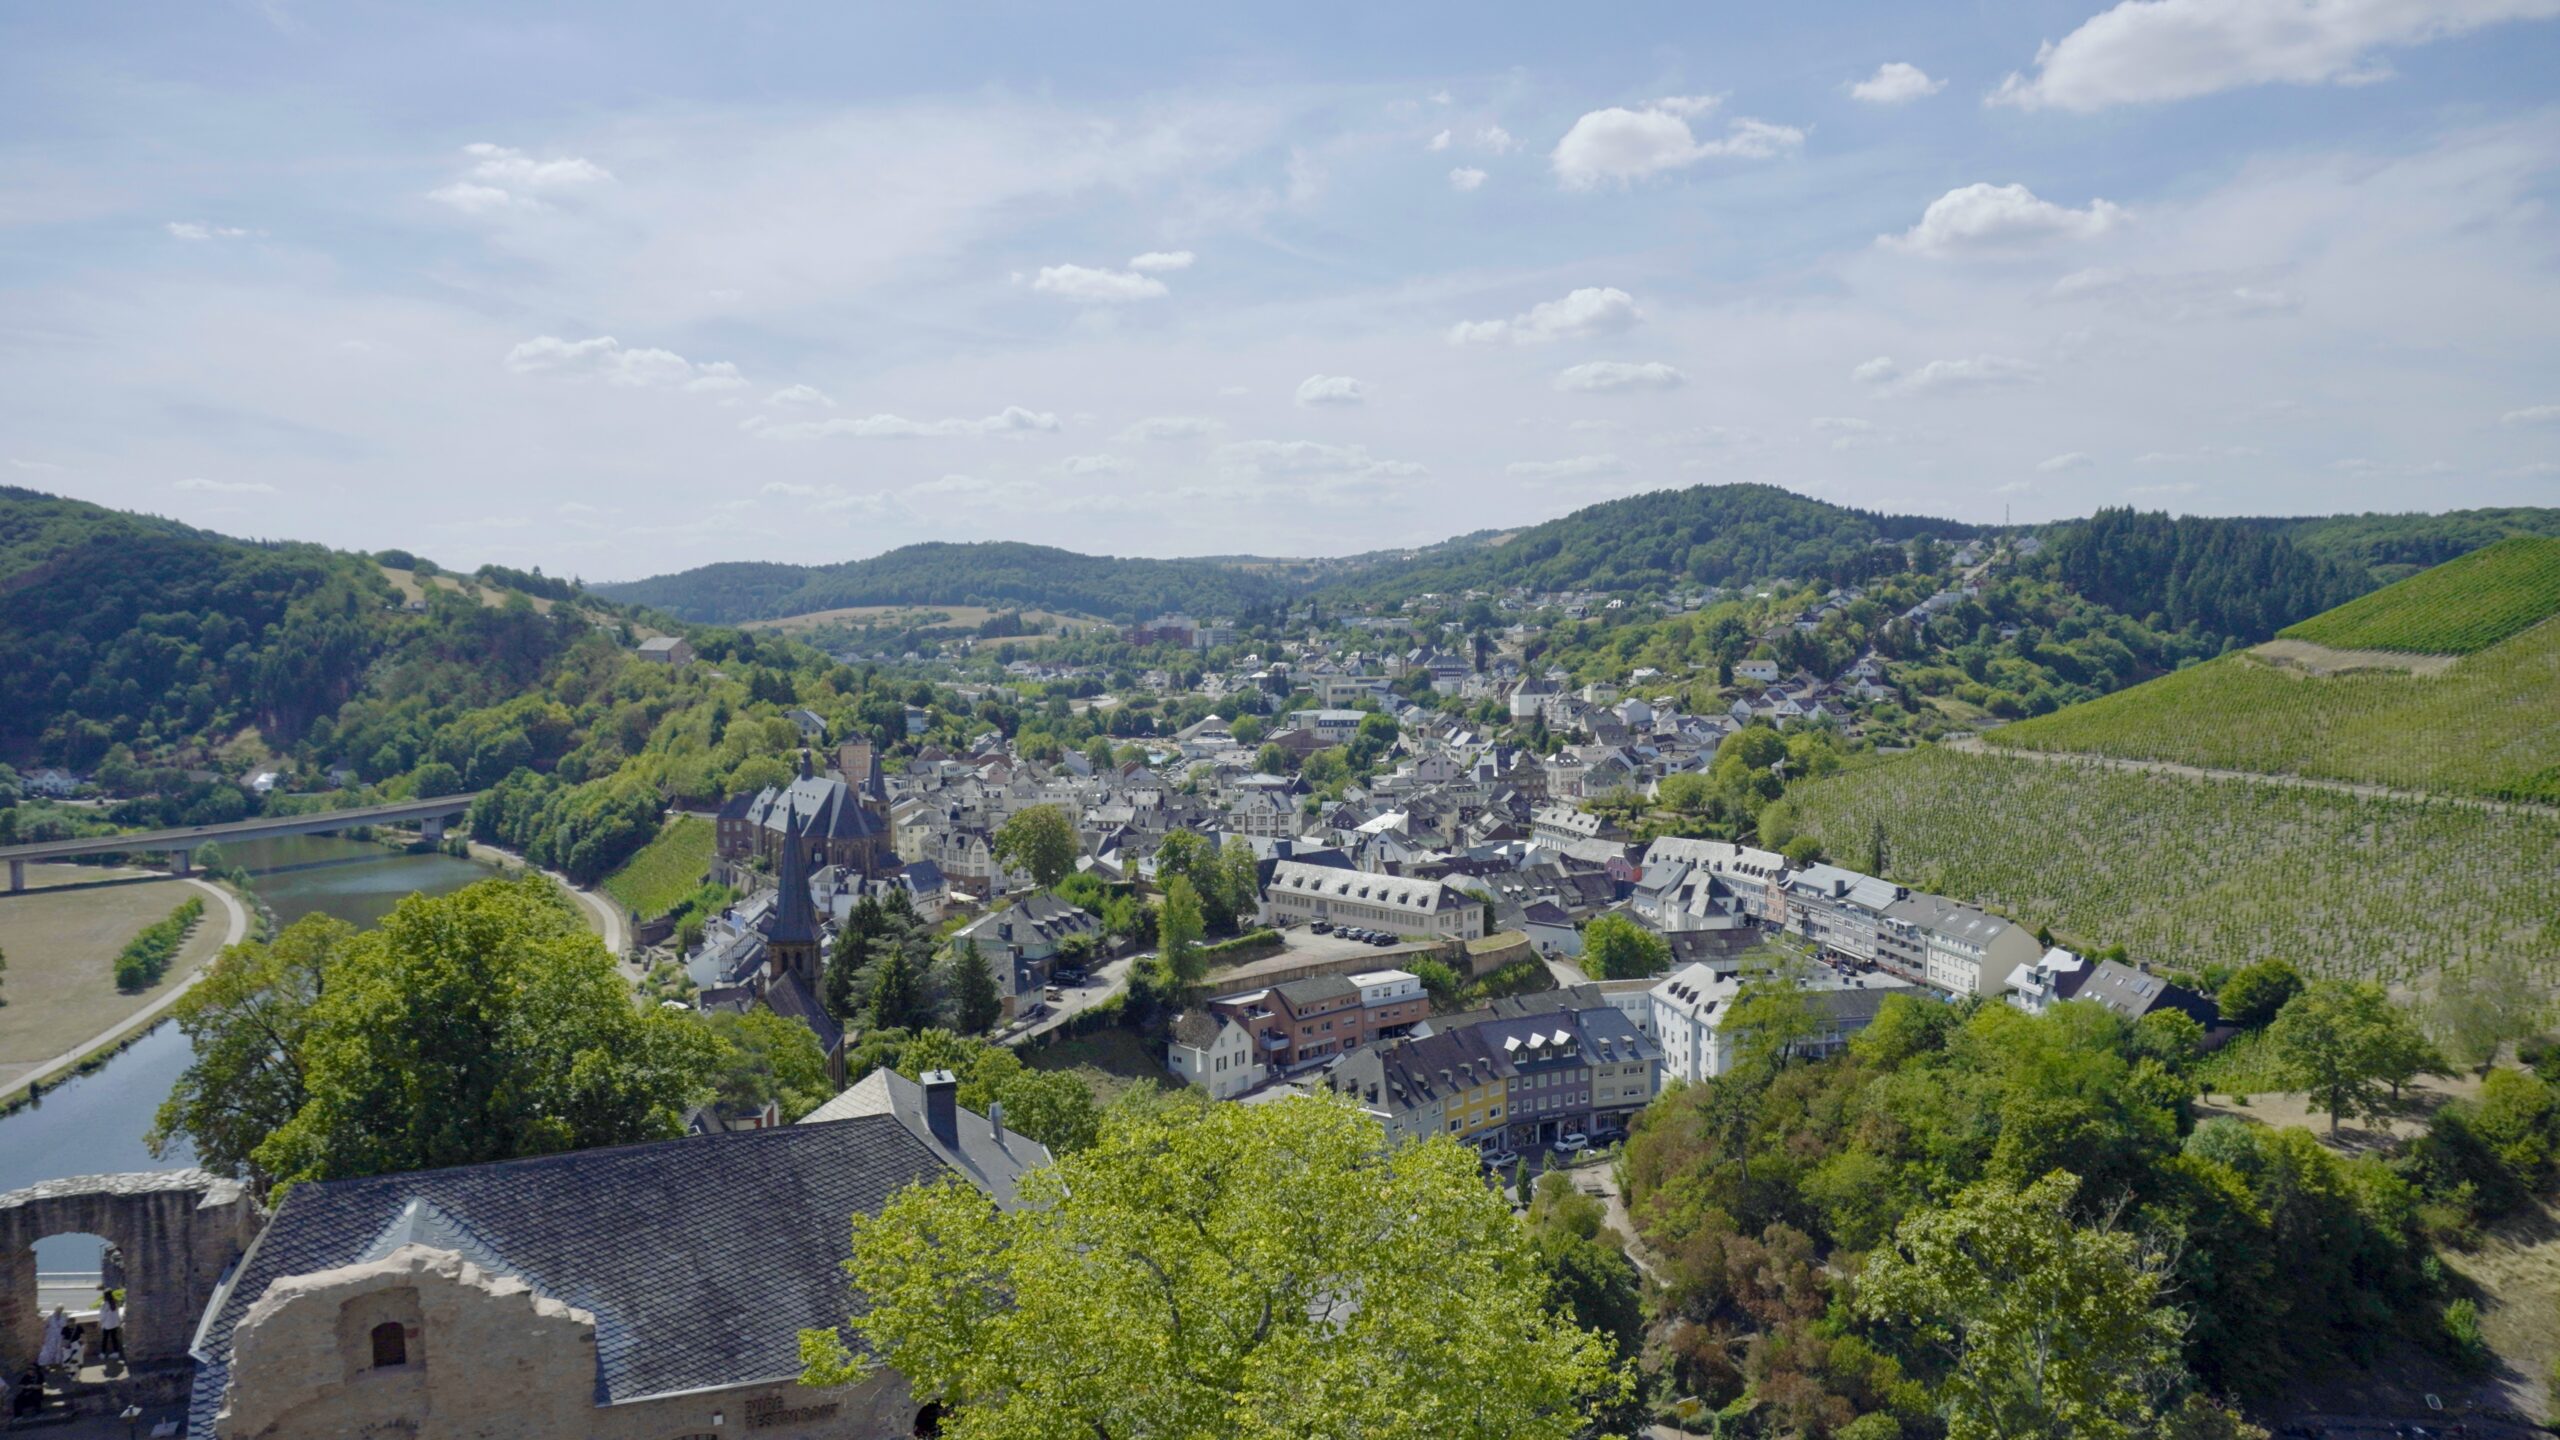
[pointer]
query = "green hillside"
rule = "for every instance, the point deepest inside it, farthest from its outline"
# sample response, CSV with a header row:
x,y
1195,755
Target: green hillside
x,y
2458,608
2393,546
2203,872
996,574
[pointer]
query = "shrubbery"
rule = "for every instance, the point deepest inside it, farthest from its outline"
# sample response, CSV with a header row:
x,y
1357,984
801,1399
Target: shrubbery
x,y
146,957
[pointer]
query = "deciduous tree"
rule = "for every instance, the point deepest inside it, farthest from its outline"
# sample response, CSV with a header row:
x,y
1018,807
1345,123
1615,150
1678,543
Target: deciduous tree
x,y
1039,839
1249,1271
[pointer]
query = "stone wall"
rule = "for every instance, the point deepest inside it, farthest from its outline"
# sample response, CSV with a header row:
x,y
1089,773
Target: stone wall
x,y
486,1358
177,1230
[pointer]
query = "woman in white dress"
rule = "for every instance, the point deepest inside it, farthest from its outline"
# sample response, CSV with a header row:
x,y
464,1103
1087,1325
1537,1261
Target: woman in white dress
x,y
57,1339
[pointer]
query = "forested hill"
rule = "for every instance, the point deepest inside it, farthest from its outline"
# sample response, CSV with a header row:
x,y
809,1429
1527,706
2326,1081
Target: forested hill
x,y
2232,578
2394,546
1706,534
1003,573
118,628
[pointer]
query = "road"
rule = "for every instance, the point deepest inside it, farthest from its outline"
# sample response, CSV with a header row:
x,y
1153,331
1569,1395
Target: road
x,y
606,915
1074,1000
1974,745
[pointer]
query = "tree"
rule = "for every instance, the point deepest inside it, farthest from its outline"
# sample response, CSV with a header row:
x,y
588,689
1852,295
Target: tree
x,y
247,1024
1039,839
2344,1041
482,1025
1178,932
1878,854
979,1004
897,1000
2254,993
2478,1011
1802,851
1617,948
2046,1328
766,1058
1253,1271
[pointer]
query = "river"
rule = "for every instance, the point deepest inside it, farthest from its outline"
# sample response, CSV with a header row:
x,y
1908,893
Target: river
x,y
94,1124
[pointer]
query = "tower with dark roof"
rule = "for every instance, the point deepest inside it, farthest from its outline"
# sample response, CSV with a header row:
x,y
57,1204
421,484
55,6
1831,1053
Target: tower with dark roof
x,y
791,933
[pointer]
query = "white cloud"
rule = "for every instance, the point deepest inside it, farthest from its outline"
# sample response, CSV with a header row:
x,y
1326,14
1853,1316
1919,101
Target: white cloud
x,y
1496,139
2145,51
1159,260
1990,219
500,177
1591,310
607,359
1438,143
1094,465
1088,286
1465,177
1579,467
1895,83
2180,487
1847,432
2532,415
2067,460
1169,427
1602,376
1977,372
198,230
1623,145
225,487
2203,295
1257,460
1332,390
801,396
40,467
1012,420
2198,456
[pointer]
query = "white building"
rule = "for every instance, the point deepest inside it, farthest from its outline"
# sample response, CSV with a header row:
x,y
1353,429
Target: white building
x,y
2039,985
1302,893
1973,952
1215,1053
1691,1008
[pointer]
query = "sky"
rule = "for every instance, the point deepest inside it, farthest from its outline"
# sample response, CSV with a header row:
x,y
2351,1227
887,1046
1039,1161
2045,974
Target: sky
x,y
619,289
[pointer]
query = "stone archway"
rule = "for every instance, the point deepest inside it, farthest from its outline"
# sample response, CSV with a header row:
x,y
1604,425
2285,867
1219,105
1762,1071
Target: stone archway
x,y
178,1230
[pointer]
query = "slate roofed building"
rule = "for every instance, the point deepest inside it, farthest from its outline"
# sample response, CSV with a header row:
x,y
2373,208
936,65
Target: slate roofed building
x,y
2134,993
652,1289
835,824
1299,892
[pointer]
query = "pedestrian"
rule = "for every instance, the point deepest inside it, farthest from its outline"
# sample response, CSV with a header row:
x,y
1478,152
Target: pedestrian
x,y
110,1325
28,1398
57,1339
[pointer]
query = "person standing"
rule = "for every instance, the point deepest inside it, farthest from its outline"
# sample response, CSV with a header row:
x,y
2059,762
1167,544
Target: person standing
x,y
57,1339
110,1326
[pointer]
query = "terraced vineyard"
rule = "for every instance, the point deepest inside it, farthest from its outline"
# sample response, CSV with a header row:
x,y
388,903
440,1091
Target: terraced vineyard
x,y
2489,726
2458,608
2192,872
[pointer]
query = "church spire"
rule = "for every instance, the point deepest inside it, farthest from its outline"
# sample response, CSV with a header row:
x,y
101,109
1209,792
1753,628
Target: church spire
x,y
791,936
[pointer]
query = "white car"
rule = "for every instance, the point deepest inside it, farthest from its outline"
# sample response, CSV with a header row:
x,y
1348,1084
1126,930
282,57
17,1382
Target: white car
x,y
1570,1142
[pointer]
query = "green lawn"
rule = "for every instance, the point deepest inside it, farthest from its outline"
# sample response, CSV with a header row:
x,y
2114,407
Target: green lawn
x,y
2458,608
2484,727
666,870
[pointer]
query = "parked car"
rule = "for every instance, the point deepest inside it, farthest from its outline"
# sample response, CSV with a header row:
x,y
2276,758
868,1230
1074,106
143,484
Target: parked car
x,y
1501,1160
1382,940
1570,1141
1053,993
1320,927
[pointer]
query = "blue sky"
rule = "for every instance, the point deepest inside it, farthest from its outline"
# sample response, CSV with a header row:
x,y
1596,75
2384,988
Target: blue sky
x,y
622,289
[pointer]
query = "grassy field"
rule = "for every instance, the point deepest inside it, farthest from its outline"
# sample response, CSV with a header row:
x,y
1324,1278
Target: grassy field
x,y
62,946
666,870
2458,608
1108,1061
2489,725
2197,872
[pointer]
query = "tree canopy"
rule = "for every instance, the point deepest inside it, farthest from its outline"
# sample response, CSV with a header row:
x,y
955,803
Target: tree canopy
x,y
1248,1271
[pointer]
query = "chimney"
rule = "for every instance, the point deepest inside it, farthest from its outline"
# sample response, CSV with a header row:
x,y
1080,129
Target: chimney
x,y
942,1105
995,1120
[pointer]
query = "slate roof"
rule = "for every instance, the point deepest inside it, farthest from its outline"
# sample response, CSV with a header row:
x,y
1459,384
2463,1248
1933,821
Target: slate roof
x,y
992,1162
701,1258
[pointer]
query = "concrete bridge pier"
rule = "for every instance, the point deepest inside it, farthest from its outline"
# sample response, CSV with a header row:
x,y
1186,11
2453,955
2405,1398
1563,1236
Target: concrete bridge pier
x,y
17,876
432,829
182,863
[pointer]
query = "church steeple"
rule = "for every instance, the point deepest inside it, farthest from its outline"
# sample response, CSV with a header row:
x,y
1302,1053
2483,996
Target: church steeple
x,y
791,936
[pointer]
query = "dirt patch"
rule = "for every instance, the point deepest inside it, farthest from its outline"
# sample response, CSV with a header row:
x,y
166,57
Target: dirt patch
x,y
62,945
2419,1100
2517,1269
2313,659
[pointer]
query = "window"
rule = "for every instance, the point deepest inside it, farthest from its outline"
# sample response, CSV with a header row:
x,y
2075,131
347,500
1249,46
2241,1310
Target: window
x,y
390,1345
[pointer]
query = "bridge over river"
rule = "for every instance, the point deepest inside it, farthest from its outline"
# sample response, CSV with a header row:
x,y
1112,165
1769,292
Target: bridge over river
x,y
181,844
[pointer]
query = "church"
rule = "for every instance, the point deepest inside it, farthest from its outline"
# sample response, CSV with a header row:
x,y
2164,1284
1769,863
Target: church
x,y
839,818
